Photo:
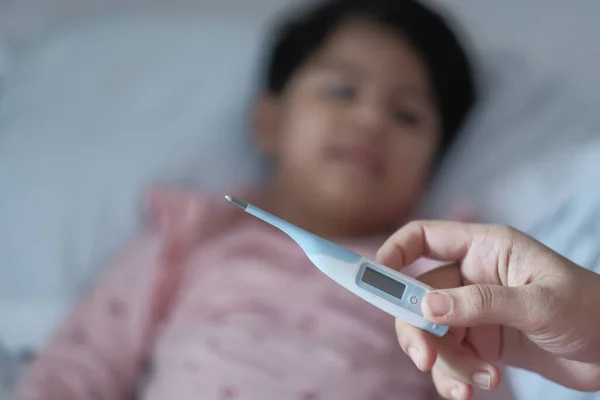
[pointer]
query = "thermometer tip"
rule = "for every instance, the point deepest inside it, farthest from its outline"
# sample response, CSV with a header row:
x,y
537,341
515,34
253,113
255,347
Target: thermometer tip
x,y
236,202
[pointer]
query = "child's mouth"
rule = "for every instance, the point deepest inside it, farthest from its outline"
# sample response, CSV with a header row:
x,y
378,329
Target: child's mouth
x,y
363,158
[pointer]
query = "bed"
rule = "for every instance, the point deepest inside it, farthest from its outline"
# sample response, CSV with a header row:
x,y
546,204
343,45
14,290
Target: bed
x,y
97,102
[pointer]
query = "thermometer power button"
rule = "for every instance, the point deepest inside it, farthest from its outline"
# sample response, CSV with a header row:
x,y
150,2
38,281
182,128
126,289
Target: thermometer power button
x,y
413,299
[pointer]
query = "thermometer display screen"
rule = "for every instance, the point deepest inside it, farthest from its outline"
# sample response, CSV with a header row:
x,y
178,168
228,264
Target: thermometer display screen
x,y
383,282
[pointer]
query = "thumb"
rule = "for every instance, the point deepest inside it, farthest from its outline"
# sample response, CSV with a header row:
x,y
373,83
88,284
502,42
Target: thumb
x,y
478,305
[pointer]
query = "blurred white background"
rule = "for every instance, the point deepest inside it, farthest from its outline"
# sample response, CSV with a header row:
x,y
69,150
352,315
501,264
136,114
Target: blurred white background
x,y
554,35
100,97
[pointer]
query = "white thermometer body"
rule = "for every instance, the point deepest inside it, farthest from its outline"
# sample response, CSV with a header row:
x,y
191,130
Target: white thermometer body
x,y
383,287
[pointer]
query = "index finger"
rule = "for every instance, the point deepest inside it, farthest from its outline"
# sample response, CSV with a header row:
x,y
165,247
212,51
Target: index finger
x,y
439,240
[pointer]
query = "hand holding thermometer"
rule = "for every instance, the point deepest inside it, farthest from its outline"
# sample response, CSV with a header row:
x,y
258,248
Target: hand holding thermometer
x,y
389,290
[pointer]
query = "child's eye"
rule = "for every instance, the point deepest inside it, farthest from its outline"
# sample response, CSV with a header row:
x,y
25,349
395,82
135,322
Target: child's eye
x,y
341,92
406,117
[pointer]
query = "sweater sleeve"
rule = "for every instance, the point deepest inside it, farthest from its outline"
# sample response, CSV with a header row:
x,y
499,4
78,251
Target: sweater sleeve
x,y
100,350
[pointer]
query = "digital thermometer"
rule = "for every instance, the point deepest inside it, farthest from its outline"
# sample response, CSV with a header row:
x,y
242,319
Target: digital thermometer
x,y
388,290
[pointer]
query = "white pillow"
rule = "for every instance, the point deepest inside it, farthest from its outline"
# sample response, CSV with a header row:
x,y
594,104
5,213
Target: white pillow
x,y
5,57
90,117
539,100
524,120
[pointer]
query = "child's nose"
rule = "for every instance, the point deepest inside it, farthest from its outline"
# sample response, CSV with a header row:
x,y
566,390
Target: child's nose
x,y
370,118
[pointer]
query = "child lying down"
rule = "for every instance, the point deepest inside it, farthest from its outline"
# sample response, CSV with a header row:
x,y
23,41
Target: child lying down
x,y
362,98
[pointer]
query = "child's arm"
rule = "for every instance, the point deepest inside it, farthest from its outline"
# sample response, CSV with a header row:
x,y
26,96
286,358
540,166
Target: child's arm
x,y
99,352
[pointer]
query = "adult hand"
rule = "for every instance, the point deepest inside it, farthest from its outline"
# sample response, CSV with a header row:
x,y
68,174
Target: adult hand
x,y
515,301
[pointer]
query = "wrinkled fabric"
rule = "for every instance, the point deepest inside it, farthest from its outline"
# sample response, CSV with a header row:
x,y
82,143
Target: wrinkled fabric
x,y
211,303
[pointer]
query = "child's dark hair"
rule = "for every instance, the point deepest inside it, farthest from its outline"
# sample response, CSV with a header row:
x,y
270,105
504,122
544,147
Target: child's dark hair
x,y
449,68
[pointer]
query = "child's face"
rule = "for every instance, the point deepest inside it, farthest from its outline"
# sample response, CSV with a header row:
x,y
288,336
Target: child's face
x,y
356,130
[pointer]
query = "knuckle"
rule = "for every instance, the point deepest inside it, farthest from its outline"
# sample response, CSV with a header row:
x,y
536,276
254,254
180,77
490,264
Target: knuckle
x,y
507,231
443,382
480,299
544,308
414,226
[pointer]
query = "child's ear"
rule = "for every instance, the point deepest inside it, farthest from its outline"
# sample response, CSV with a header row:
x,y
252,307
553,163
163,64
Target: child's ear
x,y
266,123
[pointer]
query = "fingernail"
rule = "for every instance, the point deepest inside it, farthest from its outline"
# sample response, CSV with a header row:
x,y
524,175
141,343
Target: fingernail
x,y
415,355
456,393
482,379
439,304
